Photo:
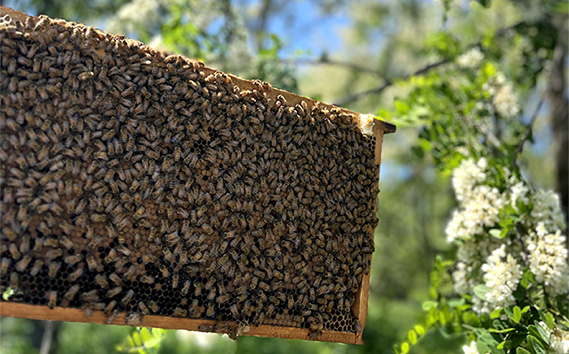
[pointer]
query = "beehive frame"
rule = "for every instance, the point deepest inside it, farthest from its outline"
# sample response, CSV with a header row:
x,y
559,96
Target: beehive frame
x,y
358,306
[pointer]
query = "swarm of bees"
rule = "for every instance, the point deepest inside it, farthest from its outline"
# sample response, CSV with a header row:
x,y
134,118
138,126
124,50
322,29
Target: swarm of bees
x,y
135,182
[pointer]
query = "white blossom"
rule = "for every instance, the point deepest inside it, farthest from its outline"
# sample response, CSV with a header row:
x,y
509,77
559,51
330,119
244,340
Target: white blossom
x,y
472,251
470,349
468,174
547,209
518,193
480,210
470,59
548,260
481,306
505,101
461,278
558,339
502,275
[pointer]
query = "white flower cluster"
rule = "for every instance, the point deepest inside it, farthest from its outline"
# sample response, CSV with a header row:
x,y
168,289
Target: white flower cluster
x,y
518,192
548,260
503,96
479,205
501,274
558,339
470,59
468,174
506,102
500,262
547,209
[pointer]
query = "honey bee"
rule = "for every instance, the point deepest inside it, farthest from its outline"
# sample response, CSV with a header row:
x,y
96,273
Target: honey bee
x,y
210,311
9,233
23,263
53,253
205,328
71,260
70,294
4,266
153,306
234,311
38,264
126,299
112,317
52,300
180,312
143,308
147,279
14,251
75,274
134,319
130,272
115,279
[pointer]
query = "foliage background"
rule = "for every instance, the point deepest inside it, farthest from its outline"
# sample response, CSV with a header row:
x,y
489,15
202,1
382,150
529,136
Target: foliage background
x,y
358,54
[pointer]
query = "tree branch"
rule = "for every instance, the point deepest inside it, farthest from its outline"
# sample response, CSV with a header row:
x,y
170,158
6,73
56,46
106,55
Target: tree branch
x,y
388,83
327,61
529,129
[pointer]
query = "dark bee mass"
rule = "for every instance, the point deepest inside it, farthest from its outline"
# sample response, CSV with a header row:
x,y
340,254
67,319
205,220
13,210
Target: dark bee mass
x,y
136,182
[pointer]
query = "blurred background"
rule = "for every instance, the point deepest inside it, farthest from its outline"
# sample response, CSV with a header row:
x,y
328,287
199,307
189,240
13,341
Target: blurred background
x,y
351,53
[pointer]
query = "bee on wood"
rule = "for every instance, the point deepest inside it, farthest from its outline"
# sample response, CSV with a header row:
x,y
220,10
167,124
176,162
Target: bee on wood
x,y
134,319
112,317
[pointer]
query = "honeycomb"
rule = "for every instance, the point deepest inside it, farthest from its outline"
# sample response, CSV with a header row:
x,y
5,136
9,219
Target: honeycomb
x,y
136,182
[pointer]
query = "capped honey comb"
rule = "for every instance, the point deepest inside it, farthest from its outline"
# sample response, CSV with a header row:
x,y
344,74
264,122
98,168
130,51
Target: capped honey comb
x,y
140,183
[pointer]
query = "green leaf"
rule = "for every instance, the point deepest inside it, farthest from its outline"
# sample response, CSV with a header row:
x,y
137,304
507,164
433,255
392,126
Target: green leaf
x,y
484,341
405,348
496,233
471,319
481,290
136,339
536,345
549,321
538,332
527,278
517,316
420,330
521,350
146,335
412,335
496,313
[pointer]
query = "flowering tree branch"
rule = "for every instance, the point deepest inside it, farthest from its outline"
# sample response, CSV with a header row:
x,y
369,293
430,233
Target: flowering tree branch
x,y
424,70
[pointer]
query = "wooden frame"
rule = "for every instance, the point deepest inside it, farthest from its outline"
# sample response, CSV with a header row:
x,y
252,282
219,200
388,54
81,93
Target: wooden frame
x,y
359,308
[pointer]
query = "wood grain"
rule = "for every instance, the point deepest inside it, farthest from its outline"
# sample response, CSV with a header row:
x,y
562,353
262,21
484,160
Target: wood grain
x,y
35,312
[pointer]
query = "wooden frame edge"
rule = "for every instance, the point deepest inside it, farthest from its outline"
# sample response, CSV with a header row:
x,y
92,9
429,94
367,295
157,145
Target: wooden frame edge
x,y
38,312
